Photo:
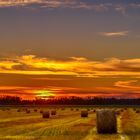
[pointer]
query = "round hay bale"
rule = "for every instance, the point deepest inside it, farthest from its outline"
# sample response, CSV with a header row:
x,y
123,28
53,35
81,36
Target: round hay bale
x,y
46,114
137,111
84,113
106,121
53,112
18,110
77,109
41,111
134,109
28,111
35,110
71,109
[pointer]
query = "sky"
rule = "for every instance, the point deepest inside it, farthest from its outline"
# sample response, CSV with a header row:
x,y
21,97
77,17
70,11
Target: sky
x,y
70,48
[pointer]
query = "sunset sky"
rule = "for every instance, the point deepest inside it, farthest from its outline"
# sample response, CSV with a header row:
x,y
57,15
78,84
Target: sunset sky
x,y
70,48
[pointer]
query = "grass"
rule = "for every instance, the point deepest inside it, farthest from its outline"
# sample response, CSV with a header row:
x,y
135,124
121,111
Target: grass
x,y
66,125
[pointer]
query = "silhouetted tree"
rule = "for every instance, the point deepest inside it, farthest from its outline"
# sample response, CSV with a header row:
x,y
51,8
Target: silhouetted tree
x,y
14,100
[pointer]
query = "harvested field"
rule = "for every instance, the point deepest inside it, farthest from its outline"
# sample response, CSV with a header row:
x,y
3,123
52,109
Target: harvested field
x,y
65,125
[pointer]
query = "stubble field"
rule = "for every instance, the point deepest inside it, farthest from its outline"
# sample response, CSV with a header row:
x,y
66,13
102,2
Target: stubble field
x,y
67,124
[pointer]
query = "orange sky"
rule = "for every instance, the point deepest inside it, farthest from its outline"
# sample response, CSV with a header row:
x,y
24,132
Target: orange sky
x,y
28,75
70,48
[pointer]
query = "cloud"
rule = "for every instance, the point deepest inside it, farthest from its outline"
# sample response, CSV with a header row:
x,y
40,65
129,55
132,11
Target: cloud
x,y
10,3
24,92
73,4
76,66
30,92
127,84
114,34
98,92
7,65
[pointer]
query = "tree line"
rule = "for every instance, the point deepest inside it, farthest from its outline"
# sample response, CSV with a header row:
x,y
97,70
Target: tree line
x,y
14,100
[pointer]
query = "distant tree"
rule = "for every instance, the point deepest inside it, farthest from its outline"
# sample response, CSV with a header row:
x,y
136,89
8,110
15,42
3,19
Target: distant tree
x,y
14,100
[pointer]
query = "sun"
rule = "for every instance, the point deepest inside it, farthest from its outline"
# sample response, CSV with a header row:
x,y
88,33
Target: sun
x,y
44,94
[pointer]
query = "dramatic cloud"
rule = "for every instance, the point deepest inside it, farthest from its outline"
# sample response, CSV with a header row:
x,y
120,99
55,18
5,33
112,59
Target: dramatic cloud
x,y
68,77
79,67
114,34
73,4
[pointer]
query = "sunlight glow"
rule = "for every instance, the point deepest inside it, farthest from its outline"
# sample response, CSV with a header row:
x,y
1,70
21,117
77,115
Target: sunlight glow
x,y
44,94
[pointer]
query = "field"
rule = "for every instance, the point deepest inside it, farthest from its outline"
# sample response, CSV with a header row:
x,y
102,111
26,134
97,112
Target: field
x,y
67,124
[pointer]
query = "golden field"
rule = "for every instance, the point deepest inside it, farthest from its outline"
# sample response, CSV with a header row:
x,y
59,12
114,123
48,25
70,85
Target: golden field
x,y
67,124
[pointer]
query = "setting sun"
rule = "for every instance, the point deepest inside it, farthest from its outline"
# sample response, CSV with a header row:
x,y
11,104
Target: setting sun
x,y
44,94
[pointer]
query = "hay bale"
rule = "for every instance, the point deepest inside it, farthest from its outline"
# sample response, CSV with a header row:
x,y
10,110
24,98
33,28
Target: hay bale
x,y
28,111
84,113
106,121
18,110
53,112
41,111
71,109
137,111
46,114
77,109
134,109
35,110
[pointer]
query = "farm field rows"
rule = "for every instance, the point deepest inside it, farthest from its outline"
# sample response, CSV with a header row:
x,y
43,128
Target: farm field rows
x,y
67,124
